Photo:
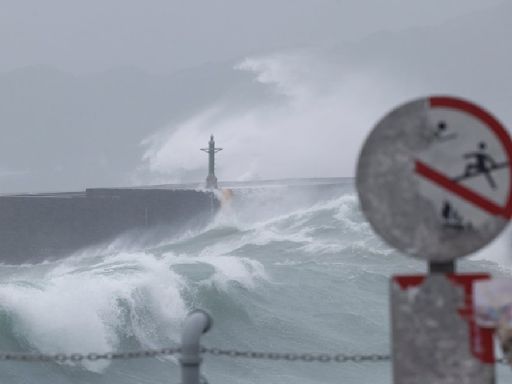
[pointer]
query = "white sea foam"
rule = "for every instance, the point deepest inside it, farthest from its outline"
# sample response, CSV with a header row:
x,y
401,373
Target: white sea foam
x,y
284,271
227,269
83,308
303,100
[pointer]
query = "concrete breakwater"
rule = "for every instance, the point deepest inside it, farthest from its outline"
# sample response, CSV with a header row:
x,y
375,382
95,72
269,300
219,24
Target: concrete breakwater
x,y
38,227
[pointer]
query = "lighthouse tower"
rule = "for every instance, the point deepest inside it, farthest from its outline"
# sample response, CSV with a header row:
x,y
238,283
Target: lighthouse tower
x,y
211,180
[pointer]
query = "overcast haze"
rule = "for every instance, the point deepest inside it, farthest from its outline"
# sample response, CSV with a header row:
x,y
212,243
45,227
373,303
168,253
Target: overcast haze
x,y
165,35
124,92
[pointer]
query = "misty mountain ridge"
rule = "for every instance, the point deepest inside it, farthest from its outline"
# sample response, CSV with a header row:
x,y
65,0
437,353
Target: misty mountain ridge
x,y
67,132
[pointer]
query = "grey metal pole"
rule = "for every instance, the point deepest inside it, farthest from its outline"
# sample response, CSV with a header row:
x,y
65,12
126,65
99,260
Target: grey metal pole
x,y
441,267
197,323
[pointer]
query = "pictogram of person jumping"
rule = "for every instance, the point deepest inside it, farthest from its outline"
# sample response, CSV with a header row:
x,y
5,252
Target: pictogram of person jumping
x,y
480,163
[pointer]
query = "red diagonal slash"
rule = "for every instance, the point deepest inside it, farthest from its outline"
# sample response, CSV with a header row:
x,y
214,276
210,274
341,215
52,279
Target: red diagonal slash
x,y
460,190
501,133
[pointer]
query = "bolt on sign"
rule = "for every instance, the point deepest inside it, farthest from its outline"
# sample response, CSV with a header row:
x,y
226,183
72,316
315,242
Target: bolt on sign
x,y
434,181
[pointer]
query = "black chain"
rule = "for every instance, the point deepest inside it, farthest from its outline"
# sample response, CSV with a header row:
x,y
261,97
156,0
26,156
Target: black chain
x,y
77,357
300,357
276,356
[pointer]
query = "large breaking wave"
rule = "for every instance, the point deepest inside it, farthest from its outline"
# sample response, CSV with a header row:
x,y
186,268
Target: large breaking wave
x,y
279,268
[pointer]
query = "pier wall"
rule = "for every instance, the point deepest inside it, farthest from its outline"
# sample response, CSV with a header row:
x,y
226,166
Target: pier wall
x,y
34,228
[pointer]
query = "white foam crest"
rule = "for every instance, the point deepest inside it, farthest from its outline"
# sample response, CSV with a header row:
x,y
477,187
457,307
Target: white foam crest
x,y
258,236
78,308
311,115
125,244
222,255
158,289
318,247
243,271
346,245
290,227
272,234
340,206
348,209
290,263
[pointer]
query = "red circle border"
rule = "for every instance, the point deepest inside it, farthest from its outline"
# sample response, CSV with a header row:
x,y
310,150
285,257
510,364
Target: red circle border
x,y
490,121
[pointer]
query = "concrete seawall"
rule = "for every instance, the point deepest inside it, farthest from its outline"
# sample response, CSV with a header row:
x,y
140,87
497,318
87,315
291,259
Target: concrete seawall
x,y
34,228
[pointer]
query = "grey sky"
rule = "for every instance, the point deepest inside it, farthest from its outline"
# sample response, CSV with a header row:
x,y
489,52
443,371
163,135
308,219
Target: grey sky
x,y
164,35
112,93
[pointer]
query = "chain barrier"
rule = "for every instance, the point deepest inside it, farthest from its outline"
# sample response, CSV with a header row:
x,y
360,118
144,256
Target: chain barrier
x,y
77,357
309,357
300,357
232,353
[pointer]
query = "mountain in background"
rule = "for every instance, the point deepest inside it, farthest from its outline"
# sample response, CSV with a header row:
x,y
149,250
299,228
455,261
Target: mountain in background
x,y
67,132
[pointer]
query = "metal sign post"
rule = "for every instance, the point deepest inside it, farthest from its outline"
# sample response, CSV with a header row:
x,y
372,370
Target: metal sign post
x,y
434,181
435,337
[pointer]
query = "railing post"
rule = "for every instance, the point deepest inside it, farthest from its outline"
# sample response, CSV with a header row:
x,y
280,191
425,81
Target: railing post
x,y
196,323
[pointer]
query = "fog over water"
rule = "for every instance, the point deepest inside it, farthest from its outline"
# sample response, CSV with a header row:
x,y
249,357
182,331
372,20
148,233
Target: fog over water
x,y
285,99
124,92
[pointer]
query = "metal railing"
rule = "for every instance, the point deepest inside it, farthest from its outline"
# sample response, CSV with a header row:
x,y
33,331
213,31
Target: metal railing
x,y
190,353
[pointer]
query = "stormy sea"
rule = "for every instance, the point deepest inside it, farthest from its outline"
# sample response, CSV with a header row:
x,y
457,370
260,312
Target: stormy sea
x,y
279,268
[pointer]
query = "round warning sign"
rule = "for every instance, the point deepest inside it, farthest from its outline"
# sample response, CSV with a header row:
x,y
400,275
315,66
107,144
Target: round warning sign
x,y
434,178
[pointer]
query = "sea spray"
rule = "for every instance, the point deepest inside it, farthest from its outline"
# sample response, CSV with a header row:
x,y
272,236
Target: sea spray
x,y
283,269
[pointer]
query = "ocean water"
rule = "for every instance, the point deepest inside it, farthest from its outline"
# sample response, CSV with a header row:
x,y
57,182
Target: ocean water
x,y
284,269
